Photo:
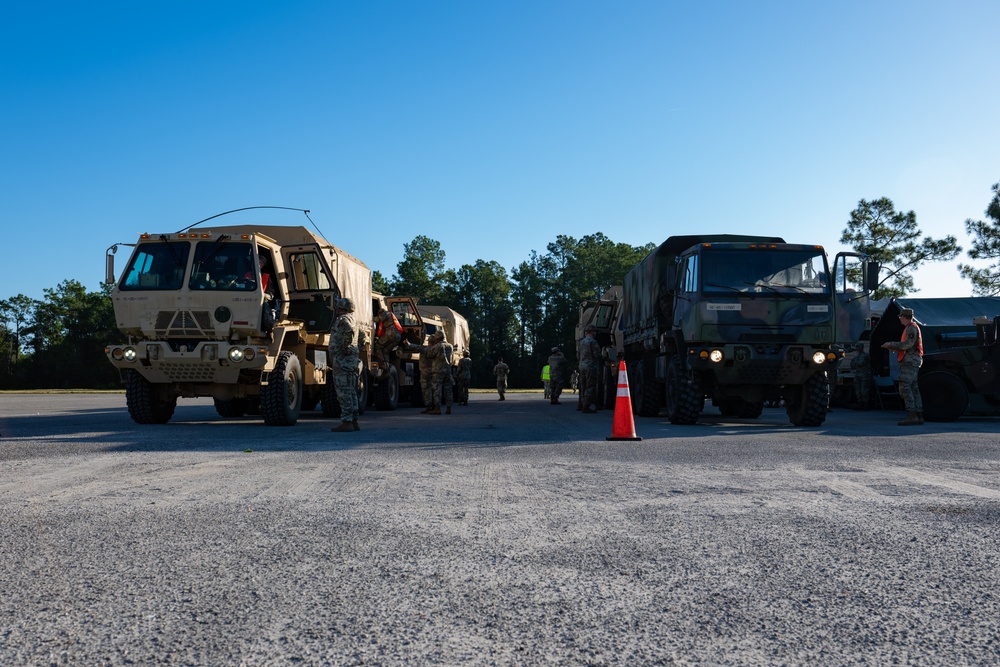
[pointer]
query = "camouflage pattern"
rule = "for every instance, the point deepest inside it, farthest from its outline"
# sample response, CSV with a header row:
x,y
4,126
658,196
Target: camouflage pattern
x,y
442,373
344,352
431,360
464,378
557,373
390,337
908,389
501,370
590,365
909,366
861,366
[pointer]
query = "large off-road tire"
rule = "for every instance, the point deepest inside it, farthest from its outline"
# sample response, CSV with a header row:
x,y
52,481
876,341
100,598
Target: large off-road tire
x,y
363,384
684,397
945,396
806,404
328,398
416,393
387,391
646,393
607,388
232,408
148,403
281,397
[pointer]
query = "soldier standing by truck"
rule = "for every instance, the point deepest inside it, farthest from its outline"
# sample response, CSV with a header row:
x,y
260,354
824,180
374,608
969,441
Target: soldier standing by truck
x,y
590,364
910,353
344,350
442,372
388,333
464,378
557,372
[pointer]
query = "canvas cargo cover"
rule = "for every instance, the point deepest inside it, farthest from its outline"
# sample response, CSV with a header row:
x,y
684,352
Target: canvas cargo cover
x,y
944,322
456,326
647,292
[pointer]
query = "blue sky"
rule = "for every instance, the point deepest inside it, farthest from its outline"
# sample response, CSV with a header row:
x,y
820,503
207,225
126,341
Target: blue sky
x,y
491,127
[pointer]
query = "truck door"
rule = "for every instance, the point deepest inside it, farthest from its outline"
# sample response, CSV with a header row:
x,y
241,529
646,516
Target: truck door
x,y
855,276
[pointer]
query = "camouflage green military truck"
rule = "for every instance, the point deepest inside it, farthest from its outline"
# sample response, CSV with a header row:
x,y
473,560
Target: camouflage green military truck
x,y
238,313
738,320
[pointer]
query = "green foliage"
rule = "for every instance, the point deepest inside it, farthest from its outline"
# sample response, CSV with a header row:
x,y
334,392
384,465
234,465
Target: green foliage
x,y
893,238
421,272
986,245
379,283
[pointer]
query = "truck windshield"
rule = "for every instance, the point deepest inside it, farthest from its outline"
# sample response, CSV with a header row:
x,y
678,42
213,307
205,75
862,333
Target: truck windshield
x,y
156,266
773,271
223,266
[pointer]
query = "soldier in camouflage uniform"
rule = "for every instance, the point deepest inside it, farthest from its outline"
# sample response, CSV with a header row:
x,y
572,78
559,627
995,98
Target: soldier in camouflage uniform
x,y
388,334
464,378
590,366
344,352
557,373
910,353
430,383
447,380
501,370
861,366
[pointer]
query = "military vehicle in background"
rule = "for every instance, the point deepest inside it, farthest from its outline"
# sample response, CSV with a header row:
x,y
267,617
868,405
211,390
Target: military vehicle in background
x,y
739,320
238,313
604,314
399,381
960,374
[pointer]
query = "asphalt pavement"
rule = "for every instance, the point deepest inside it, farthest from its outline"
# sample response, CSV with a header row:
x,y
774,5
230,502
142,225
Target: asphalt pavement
x,y
507,533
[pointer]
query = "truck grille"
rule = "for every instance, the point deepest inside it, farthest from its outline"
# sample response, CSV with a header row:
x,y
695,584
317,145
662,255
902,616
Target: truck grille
x,y
188,372
186,323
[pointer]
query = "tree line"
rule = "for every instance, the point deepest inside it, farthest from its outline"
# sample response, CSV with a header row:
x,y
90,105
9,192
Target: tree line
x,y
58,341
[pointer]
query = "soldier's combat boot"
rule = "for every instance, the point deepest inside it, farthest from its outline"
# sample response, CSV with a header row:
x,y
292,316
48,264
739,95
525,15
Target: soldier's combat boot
x,y
354,423
911,419
434,411
344,426
920,417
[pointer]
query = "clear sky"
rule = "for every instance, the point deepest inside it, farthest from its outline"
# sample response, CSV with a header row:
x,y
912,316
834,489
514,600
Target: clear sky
x,y
491,127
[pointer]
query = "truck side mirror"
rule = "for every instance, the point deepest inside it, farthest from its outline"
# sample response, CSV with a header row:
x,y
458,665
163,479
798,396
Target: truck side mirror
x,y
109,268
872,269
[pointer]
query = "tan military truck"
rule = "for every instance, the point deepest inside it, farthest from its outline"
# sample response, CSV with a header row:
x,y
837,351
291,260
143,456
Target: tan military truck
x,y
238,313
399,380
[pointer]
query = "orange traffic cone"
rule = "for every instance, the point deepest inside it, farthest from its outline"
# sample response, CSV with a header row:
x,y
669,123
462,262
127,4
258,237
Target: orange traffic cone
x,y
624,427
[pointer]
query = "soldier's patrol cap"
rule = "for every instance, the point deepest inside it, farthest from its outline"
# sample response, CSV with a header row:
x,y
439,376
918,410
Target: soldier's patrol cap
x,y
555,349
590,327
907,313
345,304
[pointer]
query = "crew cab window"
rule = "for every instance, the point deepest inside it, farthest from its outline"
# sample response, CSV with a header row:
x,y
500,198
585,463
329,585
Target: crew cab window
x,y
223,266
156,266
690,283
308,273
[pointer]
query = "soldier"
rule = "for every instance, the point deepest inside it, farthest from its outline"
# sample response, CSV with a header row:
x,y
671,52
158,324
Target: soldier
x,y
910,354
557,372
501,370
444,369
344,352
464,378
861,366
430,380
388,333
590,365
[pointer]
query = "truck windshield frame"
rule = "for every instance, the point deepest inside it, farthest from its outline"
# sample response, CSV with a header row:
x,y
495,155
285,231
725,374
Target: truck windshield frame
x,y
224,267
792,272
158,265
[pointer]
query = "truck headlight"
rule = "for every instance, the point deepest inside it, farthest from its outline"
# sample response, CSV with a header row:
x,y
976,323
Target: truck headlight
x,y
235,354
129,354
715,356
819,357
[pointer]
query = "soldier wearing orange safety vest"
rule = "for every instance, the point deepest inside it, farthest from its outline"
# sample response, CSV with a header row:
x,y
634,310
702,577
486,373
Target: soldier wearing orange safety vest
x,y
910,354
388,333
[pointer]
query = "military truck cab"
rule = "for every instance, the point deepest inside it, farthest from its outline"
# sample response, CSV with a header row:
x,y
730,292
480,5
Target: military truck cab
x,y
736,320
241,314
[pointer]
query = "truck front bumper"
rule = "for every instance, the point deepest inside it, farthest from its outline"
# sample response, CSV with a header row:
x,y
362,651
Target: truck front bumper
x,y
765,364
204,362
